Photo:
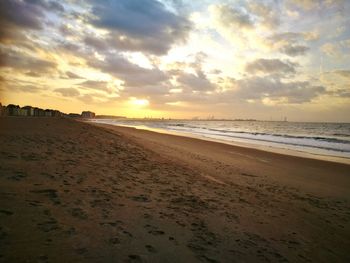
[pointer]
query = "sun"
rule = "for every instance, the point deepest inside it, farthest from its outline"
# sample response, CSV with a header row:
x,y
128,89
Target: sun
x,y
139,102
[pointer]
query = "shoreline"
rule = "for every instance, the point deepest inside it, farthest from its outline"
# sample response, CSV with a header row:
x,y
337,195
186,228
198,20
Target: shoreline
x,y
175,146
272,149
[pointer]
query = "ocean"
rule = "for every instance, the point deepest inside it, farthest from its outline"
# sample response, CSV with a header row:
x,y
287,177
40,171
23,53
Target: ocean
x,y
329,139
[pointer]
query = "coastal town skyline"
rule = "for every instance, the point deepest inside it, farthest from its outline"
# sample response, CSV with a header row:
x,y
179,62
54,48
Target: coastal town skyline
x,y
179,59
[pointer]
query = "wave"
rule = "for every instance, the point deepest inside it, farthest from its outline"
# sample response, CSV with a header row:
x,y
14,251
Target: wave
x,y
326,143
318,138
328,139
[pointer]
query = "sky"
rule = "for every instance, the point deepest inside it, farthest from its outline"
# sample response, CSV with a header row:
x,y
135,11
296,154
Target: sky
x,y
264,60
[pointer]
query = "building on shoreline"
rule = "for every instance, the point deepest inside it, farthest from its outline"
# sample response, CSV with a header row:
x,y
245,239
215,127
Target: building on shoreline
x,y
88,114
30,111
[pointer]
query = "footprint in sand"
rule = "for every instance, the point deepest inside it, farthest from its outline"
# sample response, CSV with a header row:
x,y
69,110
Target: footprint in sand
x,y
79,213
49,225
17,176
154,230
6,212
151,249
141,198
50,193
114,241
248,175
135,258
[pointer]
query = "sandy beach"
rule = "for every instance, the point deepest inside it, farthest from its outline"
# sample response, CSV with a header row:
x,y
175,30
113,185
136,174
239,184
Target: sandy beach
x,y
76,192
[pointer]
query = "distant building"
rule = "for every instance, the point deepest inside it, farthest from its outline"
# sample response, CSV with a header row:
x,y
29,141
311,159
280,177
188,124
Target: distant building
x,y
2,110
48,113
41,113
29,110
88,114
56,113
22,112
12,110
74,115
36,112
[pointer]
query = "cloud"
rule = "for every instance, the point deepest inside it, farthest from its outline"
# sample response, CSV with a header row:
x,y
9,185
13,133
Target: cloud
x,y
95,84
195,82
23,62
21,14
68,92
331,49
341,93
154,92
310,5
145,26
131,74
296,50
291,43
231,17
97,43
270,66
273,88
29,88
305,4
257,89
279,39
343,73
72,75
266,14
17,16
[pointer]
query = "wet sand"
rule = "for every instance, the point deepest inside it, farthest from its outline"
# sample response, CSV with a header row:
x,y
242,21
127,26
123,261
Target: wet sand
x,y
74,192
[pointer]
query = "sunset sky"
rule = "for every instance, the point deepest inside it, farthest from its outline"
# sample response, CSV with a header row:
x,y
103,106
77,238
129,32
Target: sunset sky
x,y
179,59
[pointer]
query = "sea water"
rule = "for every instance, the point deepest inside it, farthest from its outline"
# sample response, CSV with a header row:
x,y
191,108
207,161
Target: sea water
x,y
330,139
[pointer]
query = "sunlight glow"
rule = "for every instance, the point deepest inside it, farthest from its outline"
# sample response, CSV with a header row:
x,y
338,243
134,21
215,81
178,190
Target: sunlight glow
x,y
139,102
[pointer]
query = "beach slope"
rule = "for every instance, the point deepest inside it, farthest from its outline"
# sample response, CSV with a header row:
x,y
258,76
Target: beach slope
x,y
74,192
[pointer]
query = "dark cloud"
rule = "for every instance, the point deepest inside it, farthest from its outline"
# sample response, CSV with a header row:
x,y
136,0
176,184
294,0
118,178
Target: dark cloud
x,y
54,6
270,66
342,93
97,43
27,88
265,14
312,5
96,85
132,74
197,82
68,92
140,25
65,30
285,36
191,81
16,85
257,89
232,17
17,16
343,73
71,48
21,14
19,61
147,91
72,75
294,50
273,88
33,74
290,43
